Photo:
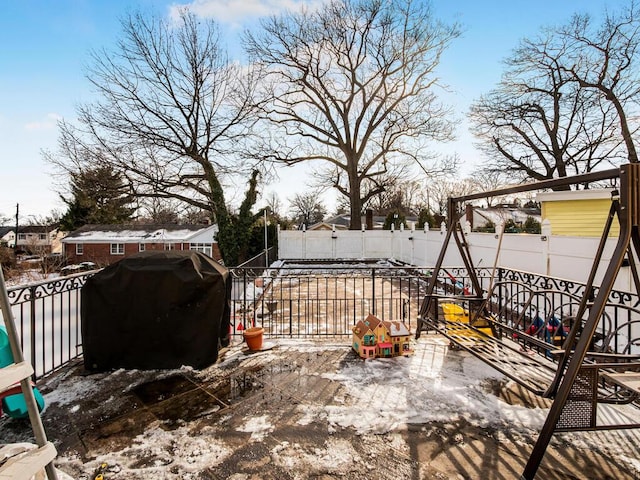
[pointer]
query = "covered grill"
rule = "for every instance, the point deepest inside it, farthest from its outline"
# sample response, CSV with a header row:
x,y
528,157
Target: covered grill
x,y
156,310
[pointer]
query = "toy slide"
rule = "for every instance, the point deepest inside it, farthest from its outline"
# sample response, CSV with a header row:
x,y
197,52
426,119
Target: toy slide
x,y
13,403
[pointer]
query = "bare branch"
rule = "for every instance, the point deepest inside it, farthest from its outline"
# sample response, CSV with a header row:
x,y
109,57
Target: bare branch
x,y
353,84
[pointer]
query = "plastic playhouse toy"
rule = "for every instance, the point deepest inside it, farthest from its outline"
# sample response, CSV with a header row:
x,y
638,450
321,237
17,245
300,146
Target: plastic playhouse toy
x,y
374,338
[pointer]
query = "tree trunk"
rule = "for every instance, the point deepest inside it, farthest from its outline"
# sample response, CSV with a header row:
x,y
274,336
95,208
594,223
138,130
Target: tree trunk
x,y
355,201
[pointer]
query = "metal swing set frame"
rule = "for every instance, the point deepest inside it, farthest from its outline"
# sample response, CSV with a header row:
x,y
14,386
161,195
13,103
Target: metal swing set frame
x,y
579,372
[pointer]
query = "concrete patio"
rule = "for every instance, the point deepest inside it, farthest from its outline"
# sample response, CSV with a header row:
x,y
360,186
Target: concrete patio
x,y
304,409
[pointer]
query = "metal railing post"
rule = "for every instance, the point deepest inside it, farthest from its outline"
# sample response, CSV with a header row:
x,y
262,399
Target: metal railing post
x,y
373,290
32,326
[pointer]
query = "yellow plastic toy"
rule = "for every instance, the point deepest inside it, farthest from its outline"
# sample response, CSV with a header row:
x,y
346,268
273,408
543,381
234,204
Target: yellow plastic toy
x,y
457,314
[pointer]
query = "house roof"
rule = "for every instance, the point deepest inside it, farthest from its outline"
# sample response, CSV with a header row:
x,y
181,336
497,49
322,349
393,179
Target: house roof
x,y
498,215
397,329
372,321
5,230
590,194
136,233
360,329
34,228
342,222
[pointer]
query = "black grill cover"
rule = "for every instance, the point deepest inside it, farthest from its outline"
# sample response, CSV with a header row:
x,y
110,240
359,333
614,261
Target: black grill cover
x,y
156,310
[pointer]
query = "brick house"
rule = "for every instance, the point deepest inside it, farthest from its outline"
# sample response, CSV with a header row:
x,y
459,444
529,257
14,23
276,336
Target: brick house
x,y
105,244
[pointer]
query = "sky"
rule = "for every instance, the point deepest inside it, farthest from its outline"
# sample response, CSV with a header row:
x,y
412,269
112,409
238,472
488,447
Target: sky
x,y
44,51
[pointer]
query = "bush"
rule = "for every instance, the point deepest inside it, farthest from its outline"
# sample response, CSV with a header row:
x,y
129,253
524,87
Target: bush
x,y
8,262
531,225
396,218
511,227
426,218
488,227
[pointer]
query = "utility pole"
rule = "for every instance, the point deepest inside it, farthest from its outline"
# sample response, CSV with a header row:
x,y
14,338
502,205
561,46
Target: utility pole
x,y
266,244
15,242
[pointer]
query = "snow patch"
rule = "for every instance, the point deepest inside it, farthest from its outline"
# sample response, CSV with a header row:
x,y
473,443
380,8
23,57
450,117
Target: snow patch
x,y
259,427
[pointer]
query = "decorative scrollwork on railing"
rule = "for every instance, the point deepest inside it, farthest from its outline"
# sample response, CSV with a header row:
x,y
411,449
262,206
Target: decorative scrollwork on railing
x,y
48,288
567,286
618,327
624,298
542,282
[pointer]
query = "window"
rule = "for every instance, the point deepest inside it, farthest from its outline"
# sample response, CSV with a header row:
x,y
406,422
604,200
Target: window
x,y
169,246
141,247
22,236
117,249
43,236
79,248
201,247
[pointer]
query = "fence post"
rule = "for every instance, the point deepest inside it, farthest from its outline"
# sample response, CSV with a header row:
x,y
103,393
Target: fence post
x,y
546,239
412,244
304,241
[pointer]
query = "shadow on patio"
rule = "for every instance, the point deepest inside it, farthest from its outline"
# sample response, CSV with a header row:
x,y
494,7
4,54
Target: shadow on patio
x,y
314,410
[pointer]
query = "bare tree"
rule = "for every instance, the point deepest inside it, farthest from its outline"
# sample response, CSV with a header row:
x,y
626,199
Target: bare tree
x,y
274,204
441,190
539,124
307,209
171,115
486,180
407,197
158,211
353,86
604,59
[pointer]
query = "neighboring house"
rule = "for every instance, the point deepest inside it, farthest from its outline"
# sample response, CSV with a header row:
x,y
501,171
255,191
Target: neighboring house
x,y
106,244
374,338
339,222
39,239
7,236
581,213
342,222
480,217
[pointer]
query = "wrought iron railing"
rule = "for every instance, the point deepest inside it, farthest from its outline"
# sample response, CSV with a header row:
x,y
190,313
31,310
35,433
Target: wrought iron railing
x,y
47,316
311,299
547,307
262,260
305,300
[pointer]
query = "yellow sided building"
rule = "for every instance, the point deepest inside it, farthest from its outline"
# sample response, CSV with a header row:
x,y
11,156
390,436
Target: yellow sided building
x,y
580,213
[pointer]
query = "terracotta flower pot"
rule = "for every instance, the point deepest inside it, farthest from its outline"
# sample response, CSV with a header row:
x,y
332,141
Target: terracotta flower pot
x,y
253,337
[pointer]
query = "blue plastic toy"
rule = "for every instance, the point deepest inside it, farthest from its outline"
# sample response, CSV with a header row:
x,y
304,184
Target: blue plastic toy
x,y
14,404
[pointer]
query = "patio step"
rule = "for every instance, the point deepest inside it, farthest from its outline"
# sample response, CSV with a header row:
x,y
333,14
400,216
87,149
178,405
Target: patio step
x,y
28,464
13,374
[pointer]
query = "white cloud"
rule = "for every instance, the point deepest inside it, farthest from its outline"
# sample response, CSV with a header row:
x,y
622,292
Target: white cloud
x,y
47,123
235,11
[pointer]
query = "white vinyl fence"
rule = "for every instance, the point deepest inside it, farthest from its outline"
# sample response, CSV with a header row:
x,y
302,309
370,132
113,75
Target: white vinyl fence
x,y
563,257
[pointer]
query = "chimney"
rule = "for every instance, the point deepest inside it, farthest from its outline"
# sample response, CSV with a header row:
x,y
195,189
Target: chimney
x,y
469,214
